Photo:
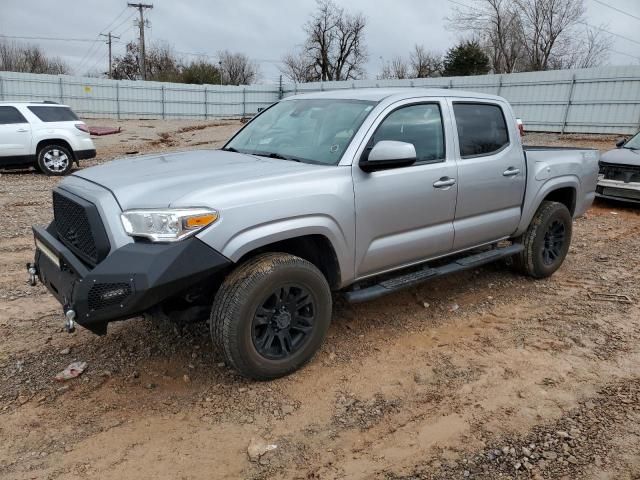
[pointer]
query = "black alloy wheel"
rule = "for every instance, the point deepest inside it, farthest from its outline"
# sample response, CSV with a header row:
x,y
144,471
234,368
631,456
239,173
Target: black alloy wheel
x,y
284,322
554,239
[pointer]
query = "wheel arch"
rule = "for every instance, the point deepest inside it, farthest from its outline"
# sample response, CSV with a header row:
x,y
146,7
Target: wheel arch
x,y
315,248
320,243
55,141
560,189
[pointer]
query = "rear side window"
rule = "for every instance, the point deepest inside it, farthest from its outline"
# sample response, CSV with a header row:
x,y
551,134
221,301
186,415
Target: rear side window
x,y
9,115
54,114
482,129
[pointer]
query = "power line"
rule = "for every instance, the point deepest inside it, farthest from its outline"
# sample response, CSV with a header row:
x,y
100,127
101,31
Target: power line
x,y
617,9
109,41
141,8
625,54
114,20
610,32
92,50
115,29
63,39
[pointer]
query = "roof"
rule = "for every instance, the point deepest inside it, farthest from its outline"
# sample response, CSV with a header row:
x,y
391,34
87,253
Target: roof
x,y
379,94
49,104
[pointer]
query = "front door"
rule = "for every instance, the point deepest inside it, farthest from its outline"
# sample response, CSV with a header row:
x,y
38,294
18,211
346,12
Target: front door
x,y
15,133
405,215
491,173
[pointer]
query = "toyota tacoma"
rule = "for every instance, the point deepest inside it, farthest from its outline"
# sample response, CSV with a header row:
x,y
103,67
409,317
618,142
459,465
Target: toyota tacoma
x,y
357,193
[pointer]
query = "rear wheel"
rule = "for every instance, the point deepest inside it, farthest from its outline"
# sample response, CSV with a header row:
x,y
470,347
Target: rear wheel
x,y
546,241
271,315
54,160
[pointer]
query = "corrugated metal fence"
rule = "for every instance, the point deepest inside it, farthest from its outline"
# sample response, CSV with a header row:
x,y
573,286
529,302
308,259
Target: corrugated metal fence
x,y
601,100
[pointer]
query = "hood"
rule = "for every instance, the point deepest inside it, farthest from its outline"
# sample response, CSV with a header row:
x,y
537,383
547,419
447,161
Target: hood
x,y
157,181
622,156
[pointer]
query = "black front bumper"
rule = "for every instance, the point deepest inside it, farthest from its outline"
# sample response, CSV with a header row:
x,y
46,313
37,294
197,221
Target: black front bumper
x,y
128,282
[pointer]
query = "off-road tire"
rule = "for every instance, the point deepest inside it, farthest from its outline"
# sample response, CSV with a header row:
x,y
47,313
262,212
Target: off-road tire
x,y
240,296
45,163
531,261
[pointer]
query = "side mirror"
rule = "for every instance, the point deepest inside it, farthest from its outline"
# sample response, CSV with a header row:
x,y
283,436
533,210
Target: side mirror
x,y
621,142
388,154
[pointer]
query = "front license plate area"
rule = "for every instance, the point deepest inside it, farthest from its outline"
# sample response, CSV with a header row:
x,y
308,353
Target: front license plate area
x,y
48,253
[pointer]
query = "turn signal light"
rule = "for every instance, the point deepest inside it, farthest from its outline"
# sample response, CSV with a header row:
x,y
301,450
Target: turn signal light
x,y
199,221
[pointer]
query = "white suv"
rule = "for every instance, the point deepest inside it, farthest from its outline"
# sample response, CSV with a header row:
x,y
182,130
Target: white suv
x,y
46,135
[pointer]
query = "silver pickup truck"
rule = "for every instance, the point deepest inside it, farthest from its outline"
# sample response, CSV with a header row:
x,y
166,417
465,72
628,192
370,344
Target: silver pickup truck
x,y
361,192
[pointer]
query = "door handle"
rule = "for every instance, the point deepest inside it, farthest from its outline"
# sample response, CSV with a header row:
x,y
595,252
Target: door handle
x,y
22,130
511,172
444,182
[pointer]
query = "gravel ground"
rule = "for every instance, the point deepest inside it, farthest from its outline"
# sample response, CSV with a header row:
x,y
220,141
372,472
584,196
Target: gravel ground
x,y
485,374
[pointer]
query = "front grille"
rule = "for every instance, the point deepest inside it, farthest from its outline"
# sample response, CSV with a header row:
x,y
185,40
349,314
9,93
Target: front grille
x,y
79,227
104,295
623,173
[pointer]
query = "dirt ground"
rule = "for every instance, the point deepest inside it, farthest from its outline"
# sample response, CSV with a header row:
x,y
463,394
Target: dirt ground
x,y
482,375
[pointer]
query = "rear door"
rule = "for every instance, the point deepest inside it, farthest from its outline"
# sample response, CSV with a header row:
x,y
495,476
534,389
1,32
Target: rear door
x,y
491,172
15,133
405,215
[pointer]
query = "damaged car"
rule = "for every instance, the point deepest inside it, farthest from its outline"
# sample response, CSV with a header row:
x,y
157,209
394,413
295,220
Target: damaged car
x,y
619,177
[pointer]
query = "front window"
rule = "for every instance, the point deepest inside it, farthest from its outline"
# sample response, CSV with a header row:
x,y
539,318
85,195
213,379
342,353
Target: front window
x,y
306,130
634,143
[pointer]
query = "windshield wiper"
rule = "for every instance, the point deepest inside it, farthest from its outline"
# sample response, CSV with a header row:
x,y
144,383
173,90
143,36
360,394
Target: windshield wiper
x,y
230,149
279,156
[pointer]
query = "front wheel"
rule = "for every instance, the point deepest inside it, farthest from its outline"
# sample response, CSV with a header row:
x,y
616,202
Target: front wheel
x,y
54,160
546,241
271,315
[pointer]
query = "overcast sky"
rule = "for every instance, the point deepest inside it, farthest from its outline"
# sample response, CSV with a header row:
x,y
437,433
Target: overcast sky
x,y
264,30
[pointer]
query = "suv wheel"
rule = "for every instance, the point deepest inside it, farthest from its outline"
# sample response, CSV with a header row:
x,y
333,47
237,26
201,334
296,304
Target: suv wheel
x,y
54,160
271,315
546,241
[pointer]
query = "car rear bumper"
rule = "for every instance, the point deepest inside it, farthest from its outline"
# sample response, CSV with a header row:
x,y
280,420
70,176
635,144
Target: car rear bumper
x,y
85,154
130,281
618,190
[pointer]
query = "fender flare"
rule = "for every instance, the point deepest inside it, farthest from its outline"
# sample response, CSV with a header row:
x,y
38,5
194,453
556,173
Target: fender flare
x,y
258,236
530,207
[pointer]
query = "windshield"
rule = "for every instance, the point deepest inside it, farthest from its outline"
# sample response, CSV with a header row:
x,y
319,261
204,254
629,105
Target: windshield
x,y
634,143
313,131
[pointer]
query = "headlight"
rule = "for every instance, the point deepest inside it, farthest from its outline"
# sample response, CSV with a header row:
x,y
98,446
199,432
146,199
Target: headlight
x,y
168,225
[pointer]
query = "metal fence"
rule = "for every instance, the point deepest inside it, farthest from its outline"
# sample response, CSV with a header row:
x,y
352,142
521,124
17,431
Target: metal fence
x,y
96,97
601,100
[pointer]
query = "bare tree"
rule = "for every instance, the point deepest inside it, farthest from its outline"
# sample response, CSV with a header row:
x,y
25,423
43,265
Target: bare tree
x,y
161,63
397,68
593,51
334,48
496,23
16,57
424,63
546,29
237,68
298,68
523,35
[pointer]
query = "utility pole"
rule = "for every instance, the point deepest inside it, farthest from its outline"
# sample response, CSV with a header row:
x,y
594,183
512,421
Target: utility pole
x,y
109,41
141,8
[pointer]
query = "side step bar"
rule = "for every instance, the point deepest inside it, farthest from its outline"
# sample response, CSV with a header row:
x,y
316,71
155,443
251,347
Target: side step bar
x,y
410,279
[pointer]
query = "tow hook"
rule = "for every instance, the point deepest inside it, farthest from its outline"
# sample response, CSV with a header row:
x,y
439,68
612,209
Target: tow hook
x,y
70,321
33,278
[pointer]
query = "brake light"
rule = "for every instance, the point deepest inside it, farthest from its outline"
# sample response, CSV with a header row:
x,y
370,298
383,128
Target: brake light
x,y
520,126
82,127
